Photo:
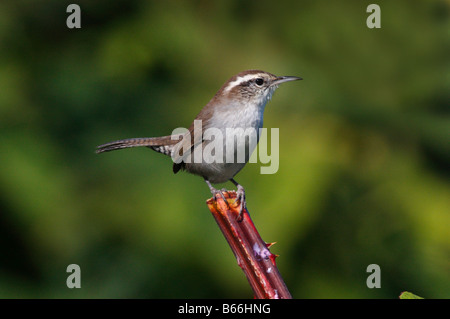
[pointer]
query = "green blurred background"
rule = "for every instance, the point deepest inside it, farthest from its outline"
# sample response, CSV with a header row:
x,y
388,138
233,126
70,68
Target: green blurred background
x,y
364,147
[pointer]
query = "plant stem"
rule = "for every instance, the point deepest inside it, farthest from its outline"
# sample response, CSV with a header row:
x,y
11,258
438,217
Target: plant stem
x,y
251,252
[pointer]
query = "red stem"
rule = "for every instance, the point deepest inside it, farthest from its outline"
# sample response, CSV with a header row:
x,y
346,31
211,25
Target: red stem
x,y
251,252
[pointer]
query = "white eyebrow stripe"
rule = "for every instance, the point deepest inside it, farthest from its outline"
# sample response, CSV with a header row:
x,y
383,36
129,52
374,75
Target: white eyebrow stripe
x,y
240,80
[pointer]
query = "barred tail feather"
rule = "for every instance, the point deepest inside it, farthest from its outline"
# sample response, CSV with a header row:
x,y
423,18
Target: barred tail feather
x,y
159,144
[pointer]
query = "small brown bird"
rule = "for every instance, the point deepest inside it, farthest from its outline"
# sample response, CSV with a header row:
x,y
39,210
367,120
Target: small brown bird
x,y
237,107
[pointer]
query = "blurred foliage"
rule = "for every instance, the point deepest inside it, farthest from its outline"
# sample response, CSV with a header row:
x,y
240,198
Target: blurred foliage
x,y
364,147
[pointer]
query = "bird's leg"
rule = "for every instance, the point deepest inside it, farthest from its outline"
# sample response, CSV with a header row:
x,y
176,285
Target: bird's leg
x,y
215,191
240,196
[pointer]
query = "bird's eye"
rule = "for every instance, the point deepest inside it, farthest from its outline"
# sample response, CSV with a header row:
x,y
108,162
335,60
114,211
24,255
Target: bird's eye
x,y
259,81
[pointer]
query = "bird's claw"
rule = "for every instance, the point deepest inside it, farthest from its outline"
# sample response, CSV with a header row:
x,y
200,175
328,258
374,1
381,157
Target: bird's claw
x,y
240,196
220,192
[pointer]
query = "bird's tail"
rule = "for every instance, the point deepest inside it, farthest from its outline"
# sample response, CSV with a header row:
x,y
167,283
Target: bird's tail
x,y
163,144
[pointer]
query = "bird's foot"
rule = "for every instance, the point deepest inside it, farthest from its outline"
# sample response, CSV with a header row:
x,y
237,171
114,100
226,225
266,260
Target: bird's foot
x,y
220,192
240,196
214,191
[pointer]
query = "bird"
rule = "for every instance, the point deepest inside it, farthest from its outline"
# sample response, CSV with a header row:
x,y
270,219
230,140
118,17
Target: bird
x,y
237,107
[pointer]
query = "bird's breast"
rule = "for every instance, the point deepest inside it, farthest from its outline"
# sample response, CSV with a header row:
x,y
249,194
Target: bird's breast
x,y
229,138
238,116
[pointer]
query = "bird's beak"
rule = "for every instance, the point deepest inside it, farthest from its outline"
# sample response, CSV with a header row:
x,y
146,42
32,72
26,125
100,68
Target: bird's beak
x,y
282,79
